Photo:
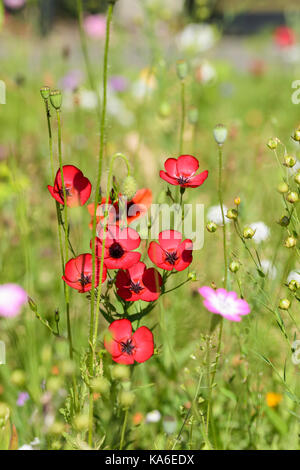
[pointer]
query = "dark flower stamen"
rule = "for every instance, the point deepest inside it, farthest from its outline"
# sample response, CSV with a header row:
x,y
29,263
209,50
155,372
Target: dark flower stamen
x,y
116,251
127,347
61,192
135,287
183,179
171,257
84,279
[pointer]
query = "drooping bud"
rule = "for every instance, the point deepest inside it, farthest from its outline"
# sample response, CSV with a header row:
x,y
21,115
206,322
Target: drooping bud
x,y
181,69
211,227
129,187
248,232
232,214
290,242
289,161
282,188
292,197
237,201
284,304
234,266
294,285
56,99
272,143
284,221
297,178
220,134
45,92
193,115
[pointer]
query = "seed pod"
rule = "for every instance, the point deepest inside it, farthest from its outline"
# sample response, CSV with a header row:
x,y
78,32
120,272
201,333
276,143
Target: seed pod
x,y
220,134
272,144
290,242
284,221
234,266
129,187
248,232
181,69
297,178
232,214
289,161
211,227
284,304
294,285
292,197
45,92
282,188
56,99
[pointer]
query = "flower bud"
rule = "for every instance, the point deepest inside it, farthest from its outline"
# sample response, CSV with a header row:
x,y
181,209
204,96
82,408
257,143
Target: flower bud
x,y
81,422
234,266
193,115
56,99
284,304
127,398
282,188
32,304
220,134
164,109
290,242
129,187
248,232
120,372
272,143
232,214
292,197
181,69
18,378
100,385
289,161
284,221
294,285
296,135
297,178
192,276
237,201
45,92
211,227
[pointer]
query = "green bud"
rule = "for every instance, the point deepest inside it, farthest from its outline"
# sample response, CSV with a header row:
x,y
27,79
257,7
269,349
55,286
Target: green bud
x,y
57,428
120,372
232,214
220,134
211,227
129,187
282,188
297,178
294,285
45,92
234,266
284,304
284,221
289,161
292,197
56,99
164,109
181,69
248,232
290,242
127,398
192,276
18,378
272,143
193,115
32,304
296,135
100,385
81,422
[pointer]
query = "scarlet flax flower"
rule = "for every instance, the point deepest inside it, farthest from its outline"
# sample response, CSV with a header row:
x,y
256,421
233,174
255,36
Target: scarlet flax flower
x,y
78,188
139,283
126,347
284,36
135,208
119,246
182,171
171,252
79,271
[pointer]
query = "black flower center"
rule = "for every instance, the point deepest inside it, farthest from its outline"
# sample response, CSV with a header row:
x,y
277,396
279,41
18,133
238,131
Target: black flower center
x,y
183,179
84,279
171,258
116,251
127,347
61,192
135,287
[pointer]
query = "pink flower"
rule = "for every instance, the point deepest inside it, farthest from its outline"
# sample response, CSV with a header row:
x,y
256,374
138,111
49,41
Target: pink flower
x,y
14,4
95,26
12,298
224,303
284,36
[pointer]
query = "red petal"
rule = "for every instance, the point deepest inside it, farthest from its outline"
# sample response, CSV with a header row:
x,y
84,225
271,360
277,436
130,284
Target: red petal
x,y
119,330
124,359
69,172
197,180
127,260
129,239
144,344
169,239
171,167
156,253
122,279
187,165
136,271
168,178
152,280
55,194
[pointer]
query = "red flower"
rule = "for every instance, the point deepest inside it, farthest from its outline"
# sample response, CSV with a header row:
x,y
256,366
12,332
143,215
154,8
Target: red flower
x,y
78,272
126,347
78,187
171,252
284,36
137,207
181,172
139,283
119,244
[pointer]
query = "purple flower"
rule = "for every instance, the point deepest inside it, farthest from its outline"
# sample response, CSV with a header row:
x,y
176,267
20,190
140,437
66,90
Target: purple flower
x,y
71,80
22,398
12,297
118,83
224,303
95,26
14,4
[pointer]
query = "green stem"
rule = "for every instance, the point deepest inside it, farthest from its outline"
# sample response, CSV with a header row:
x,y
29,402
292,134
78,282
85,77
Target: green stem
x,y
182,117
124,429
223,216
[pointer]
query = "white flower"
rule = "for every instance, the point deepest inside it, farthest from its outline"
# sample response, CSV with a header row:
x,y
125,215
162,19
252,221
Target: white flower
x,y
294,276
32,446
153,416
26,447
196,38
87,99
214,214
268,269
262,231
205,72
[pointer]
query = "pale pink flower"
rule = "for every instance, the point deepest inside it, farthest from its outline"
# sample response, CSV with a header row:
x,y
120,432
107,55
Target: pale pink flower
x,y
12,298
95,26
224,303
14,4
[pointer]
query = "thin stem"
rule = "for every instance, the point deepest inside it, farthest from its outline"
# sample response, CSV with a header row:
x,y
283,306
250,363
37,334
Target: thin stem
x,y
223,216
182,117
124,429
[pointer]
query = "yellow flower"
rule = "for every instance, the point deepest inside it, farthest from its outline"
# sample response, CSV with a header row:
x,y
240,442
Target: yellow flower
x,y
273,399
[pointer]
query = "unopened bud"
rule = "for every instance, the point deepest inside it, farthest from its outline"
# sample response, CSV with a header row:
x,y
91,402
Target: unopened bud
x,y
289,161
237,201
81,422
232,214
45,92
220,134
297,178
129,187
56,99
234,266
100,385
284,221
284,304
292,197
193,115
248,232
272,144
181,69
120,372
296,135
32,304
127,398
192,276
282,188
290,242
211,227
294,285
